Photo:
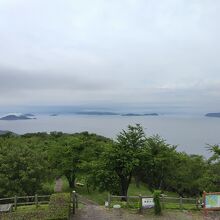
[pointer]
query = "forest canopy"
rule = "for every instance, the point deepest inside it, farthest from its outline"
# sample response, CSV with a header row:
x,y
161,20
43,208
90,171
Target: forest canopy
x,y
29,161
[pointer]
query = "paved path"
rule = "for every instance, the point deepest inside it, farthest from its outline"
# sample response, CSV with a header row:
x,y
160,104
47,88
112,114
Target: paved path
x,y
92,211
58,185
213,216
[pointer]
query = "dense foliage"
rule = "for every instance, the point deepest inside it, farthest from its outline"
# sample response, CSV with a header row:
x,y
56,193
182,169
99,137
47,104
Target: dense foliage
x,y
28,162
59,206
23,167
157,206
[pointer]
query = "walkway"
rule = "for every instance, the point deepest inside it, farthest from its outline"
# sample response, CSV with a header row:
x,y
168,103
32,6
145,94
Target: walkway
x,y
92,211
58,185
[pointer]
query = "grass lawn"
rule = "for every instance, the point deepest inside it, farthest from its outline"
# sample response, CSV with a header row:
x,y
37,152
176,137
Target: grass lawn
x,y
28,208
101,197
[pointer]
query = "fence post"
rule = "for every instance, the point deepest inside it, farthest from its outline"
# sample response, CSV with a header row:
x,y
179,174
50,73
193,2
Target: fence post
x,y
197,203
109,200
163,202
74,202
15,202
181,203
70,206
140,201
36,200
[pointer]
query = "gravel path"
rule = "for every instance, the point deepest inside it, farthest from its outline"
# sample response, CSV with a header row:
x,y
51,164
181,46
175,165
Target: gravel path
x,y
58,185
92,211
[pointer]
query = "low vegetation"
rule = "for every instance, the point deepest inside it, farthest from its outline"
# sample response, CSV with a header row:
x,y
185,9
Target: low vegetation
x,y
98,165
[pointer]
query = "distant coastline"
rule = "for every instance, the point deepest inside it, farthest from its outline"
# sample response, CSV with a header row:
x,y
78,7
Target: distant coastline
x,y
97,113
214,115
12,117
18,116
134,114
54,114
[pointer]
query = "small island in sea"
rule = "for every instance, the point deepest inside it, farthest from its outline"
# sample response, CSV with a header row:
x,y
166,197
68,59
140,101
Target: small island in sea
x,y
54,114
12,117
29,115
217,115
114,113
96,113
146,114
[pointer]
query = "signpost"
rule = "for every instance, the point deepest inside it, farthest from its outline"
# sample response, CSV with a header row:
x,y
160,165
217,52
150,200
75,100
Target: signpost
x,y
147,203
211,201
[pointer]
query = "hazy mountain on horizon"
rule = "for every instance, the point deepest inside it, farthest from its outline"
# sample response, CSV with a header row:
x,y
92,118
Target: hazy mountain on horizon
x,y
114,109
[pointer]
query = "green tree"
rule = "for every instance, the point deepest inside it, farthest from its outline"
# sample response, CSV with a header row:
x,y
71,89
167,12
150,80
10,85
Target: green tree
x,y
157,162
122,157
74,155
125,155
91,168
215,149
157,206
213,173
189,175
22,170
65,156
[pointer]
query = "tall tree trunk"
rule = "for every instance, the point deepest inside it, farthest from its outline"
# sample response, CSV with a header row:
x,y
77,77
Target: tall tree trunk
x,y
125,182
124,189
71,179
161,180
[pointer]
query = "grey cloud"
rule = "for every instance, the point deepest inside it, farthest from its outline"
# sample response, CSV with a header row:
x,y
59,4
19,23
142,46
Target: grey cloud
x,y
129,51
15,80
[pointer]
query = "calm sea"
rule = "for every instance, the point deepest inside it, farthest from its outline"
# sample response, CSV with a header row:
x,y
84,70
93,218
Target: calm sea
x,y
191,134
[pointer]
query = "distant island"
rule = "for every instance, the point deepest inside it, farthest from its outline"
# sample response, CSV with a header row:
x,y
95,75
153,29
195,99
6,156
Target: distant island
x,y
217,115
134,114
54,115
29,115
114,113
96,113
13,117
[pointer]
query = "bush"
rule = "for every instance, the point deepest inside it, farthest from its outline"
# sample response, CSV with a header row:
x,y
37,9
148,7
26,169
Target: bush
x,y
128,205
46,189
157,206
59,205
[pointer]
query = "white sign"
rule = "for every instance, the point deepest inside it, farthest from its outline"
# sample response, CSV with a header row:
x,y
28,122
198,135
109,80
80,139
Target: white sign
x,y
147,203
106,204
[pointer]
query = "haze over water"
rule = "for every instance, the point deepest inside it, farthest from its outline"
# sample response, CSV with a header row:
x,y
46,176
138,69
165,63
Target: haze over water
x,y
191,134
128,54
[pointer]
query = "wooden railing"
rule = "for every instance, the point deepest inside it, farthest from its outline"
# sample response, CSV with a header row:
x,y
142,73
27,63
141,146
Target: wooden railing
x,y
26,200
166,202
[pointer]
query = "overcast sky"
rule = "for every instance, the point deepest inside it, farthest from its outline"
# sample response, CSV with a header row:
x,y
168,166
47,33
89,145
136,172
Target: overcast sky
x,y
138,52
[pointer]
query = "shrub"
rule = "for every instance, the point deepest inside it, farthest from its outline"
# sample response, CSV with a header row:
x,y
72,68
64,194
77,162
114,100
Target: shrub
x,y
59,205
157,206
